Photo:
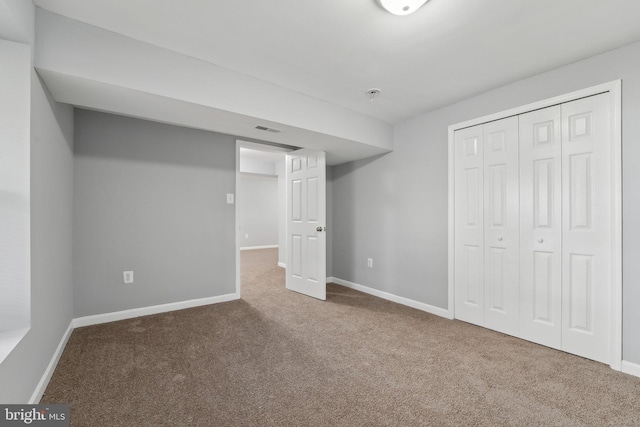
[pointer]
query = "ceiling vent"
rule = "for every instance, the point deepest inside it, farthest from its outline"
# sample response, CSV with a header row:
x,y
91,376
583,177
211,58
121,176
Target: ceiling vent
x,y
272,130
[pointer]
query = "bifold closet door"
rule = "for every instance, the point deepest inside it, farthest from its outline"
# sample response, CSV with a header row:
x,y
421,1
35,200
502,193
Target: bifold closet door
x,y
586,228
532,226
501,225
469,225
565,236
541,226
486,225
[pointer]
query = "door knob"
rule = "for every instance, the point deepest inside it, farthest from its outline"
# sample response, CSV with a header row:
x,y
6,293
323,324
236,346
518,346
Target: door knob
x,y
321,228
499,238
540,240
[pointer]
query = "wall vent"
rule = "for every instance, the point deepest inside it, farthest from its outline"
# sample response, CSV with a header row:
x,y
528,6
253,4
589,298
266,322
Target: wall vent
x,y
272,130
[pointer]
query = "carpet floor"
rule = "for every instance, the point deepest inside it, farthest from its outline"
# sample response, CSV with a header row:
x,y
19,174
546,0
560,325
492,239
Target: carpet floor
x,y
277,358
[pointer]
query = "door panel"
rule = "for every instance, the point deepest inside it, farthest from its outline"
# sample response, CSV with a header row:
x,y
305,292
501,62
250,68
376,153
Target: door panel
x,y
469,224
497,267
543,283
472,195
306,216
586,253
580,292
473,281
501,236
581,188
541,226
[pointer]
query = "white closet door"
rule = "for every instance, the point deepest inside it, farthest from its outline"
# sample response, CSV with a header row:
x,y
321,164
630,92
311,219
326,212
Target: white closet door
x,y
586,205
501,225
469,224
541,226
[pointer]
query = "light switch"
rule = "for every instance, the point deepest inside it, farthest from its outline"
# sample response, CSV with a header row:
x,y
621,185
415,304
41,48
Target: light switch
x,y
230,198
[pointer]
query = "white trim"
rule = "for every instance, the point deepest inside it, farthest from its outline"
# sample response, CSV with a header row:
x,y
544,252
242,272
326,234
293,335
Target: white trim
x,y
630,368
48,373
616,224
154,309
583,93
451,224
10,339
237,215
615,89
282,264
111,317
394,298
251,248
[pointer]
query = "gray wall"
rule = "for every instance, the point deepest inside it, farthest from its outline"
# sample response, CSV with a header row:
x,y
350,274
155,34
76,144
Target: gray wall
x,y
394,208
51,278
151,198
258,210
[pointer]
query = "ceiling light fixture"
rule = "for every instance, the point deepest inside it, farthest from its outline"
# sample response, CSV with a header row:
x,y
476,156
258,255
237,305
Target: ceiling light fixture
x,y
401,7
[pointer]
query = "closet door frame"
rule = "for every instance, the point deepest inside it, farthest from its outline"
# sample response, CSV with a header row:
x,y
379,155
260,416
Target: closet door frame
x,y
615,89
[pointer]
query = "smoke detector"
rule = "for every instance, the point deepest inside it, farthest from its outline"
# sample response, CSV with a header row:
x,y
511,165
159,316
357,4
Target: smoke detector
x,y
373,92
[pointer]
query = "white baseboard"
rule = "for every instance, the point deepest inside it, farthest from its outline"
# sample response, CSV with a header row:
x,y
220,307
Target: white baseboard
x,y
44,381
111,317
630,368
282,264
442,312
145,311
250,248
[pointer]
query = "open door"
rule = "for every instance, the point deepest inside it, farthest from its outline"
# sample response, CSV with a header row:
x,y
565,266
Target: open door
x,y
306,223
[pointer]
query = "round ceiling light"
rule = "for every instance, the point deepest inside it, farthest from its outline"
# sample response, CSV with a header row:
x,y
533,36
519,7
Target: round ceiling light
x,y
401,7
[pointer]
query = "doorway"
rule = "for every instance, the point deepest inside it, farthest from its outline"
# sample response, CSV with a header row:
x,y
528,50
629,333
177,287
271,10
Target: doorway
x,y
260,206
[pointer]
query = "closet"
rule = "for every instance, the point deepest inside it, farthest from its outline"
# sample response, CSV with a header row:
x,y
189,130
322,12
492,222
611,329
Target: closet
x,y
532,226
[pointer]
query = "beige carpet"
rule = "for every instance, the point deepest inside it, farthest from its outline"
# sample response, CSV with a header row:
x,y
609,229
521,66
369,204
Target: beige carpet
x,y
277,358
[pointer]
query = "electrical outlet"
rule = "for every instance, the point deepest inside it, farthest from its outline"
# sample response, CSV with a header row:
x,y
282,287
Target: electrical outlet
x,y
230,198
246,236
128,277
370,262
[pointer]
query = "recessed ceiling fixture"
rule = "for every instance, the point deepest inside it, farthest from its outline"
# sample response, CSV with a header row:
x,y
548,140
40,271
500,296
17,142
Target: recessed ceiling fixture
x,y
401,7
373,92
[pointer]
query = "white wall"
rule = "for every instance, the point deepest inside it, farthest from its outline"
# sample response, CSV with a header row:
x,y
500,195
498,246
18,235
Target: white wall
x,y
151,198
51,198
393,208
15,254
258,210
51,128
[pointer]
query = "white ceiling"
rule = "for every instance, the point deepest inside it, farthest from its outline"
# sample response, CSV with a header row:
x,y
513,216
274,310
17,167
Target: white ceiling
x,y
334,50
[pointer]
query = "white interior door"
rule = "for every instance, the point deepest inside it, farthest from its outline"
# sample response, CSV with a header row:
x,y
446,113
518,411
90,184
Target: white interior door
x,y
541,226
501,226
469,225
306,223
586,235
